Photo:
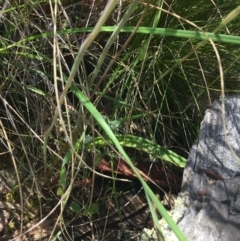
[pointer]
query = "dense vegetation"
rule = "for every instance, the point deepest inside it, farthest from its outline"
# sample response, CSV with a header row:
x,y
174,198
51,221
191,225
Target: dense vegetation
x,y
80,81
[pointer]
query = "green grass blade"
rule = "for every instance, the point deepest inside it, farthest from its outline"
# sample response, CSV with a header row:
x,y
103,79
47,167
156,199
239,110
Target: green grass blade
x,y
145,145
222,38
98,117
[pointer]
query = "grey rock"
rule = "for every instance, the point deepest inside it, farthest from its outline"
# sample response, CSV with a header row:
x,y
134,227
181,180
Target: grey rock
x,y
211,179
209,201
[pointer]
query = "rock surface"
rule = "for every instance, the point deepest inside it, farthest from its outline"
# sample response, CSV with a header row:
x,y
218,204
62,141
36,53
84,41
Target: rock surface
x,y
211,179
209,202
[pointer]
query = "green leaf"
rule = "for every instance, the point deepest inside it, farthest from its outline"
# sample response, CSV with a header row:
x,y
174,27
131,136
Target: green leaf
x,y
92,209
60,191
143,145
75,207
63,178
